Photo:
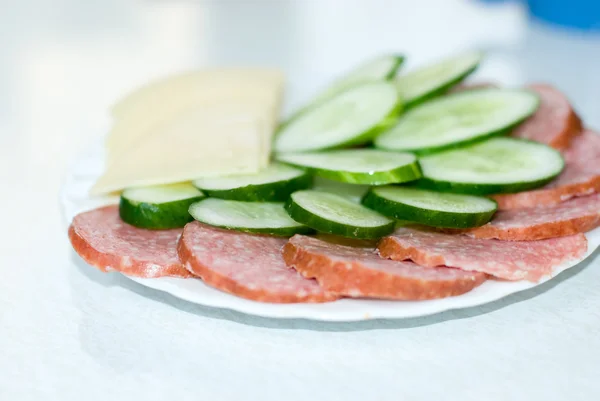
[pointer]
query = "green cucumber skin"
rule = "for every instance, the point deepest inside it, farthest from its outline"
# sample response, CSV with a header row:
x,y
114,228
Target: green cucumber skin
x,y
399,61
402,174
431,218
481,189
319,224
270,192
442,90
150,216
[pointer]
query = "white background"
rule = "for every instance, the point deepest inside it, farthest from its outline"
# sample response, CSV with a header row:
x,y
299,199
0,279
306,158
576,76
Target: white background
x,y
68,332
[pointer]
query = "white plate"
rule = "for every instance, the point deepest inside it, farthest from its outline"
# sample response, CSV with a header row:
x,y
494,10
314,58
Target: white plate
x,y
74,198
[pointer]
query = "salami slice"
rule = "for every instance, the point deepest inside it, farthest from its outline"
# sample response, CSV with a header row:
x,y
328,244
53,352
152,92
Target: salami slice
x,y
554,123
580,177
506,260
355,270
104,241
246,265
574,216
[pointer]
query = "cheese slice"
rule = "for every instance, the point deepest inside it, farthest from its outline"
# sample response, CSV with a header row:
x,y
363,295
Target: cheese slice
x,y
258,90
256,79
202,142
140,128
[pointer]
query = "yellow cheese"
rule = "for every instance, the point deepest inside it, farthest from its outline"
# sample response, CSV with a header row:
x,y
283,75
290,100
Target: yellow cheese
x,y
257,79
259,91
196,143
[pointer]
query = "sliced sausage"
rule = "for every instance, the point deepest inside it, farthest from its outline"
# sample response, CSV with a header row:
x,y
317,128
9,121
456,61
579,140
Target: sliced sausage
x,y
530,260
555,123
355,270
574,216
246,265
104,241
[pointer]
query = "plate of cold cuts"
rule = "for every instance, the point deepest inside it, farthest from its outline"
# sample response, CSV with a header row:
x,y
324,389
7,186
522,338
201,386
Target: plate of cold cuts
x,y
414,271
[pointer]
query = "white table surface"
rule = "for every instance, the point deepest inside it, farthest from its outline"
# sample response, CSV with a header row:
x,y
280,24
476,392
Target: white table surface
x,y
68,332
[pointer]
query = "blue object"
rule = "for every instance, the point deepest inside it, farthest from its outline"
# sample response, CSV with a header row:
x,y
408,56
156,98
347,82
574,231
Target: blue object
x,y
580,14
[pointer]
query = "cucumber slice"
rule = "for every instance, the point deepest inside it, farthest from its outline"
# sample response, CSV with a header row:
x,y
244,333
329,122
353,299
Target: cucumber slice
x,y
250,217
499,165
333,214
359,166
273,184
350,118
458,119
354,192
431,208
381,68
158,207
434,79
